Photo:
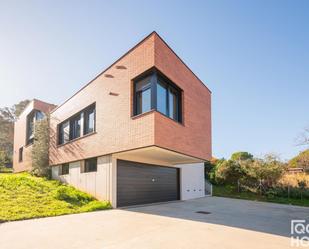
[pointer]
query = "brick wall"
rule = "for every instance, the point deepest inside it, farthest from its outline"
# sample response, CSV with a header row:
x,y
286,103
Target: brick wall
x,y
116,130
194,136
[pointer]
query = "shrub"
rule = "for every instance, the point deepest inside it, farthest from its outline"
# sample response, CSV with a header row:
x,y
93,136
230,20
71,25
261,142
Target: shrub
x,y
72,195
271,193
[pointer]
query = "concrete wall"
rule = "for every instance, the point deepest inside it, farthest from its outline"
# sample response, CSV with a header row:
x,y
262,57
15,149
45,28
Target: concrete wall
x,y
103,183
98,184
192,181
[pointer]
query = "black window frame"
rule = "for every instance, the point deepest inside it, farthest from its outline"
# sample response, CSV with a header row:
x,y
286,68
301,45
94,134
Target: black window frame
x,y
21,154
73,132
81,114
86,112
64,169
32,116
61,133
156,77
139,93
90,168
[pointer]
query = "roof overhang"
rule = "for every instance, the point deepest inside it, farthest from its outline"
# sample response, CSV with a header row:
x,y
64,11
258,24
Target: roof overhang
x,y
154,154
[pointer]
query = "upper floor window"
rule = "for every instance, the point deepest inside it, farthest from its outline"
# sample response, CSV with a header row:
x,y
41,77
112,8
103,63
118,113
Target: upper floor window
x,y
75,126
155,92
64,132
34,116
143,95
89,119
72,127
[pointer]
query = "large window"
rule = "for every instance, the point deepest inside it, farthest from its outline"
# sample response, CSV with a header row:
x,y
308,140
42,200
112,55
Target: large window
x,y
34,116
72,127
90,165
155,92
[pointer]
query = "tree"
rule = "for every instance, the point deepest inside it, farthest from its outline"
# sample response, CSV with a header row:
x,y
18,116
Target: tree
x,y
241,155
11,113
40,149
230,172
301,160
4,159
265,172
8,115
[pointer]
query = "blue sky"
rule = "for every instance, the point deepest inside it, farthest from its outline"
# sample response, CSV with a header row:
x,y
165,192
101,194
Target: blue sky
x,y
253,55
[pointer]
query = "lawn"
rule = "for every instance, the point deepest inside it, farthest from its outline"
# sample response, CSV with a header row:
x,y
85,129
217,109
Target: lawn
x,y
230,191
23,196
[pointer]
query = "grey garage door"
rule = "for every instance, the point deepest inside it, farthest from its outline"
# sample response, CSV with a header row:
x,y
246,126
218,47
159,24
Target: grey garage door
x,y
139,183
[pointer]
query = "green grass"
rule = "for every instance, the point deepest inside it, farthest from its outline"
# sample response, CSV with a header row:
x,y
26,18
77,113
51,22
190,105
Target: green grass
x,y
231,192
23,196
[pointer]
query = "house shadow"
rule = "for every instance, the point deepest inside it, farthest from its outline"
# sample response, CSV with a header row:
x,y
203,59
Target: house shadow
x,y
250,215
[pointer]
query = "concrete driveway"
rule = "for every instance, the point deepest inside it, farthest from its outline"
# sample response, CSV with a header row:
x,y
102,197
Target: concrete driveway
x,y
230,224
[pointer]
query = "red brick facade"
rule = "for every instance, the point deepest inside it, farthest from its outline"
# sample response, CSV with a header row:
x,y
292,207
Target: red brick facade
x,y
117,130
194,136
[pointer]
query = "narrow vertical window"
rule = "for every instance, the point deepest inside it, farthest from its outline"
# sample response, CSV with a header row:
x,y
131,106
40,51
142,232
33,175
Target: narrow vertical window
x,y
64,132
75,126
34,116
173,104
162,98
143,95
30,128
20,154
89,120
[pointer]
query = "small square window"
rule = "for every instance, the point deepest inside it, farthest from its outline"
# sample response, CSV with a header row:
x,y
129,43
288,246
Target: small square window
x,y
90,165
64,169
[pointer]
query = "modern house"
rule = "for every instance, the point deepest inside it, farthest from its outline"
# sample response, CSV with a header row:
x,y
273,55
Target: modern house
x,y
24,133
138,133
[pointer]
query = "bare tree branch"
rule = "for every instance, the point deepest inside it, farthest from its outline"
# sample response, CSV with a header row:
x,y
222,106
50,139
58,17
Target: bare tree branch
x,y
303,138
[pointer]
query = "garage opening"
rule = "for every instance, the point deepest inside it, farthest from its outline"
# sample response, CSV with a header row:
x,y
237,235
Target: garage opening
x,y
140,183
